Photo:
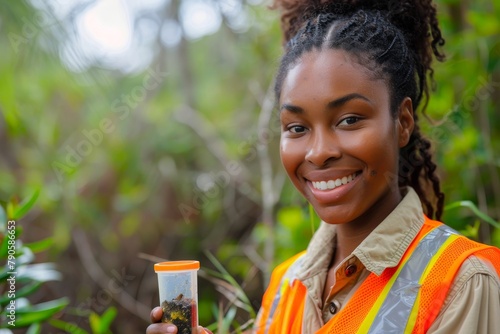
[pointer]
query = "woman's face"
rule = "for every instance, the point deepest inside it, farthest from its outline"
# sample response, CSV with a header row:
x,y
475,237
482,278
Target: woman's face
x,y
339,142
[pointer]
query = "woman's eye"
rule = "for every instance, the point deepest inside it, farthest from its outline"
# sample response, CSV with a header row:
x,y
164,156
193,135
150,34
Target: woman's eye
x,y
297,129
349,120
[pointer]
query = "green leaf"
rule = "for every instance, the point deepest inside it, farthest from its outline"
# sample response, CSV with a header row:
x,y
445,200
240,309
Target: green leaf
x,y
472,231
4,247
230,279
4,275
40,246
26,316
20,252
107,319
26,205
9,103
23,292
470,205
313,219
228,319
66,326
10,210
95,323
101,324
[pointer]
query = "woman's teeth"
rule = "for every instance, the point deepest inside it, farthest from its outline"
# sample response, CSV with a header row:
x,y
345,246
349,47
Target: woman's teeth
x,y
331,184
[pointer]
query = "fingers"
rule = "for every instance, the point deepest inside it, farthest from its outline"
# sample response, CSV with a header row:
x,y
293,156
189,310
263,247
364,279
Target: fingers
x,y
202,330
157,327
156,314
161,329
169,328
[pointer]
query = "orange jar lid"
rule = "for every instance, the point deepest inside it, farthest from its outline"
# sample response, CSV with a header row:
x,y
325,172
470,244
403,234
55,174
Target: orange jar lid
x,y
177,265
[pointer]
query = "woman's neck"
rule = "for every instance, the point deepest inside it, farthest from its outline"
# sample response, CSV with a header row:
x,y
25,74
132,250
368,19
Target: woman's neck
x,y
351,235
348,239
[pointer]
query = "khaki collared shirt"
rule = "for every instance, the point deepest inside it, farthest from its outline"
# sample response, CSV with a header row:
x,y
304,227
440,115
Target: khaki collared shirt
x,y
472,305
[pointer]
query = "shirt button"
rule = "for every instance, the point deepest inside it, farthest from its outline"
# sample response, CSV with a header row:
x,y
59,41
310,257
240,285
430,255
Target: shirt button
x,y
350,270
334,307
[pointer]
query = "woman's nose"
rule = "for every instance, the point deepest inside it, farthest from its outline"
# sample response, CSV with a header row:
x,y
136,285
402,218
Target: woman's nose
x,y
324,146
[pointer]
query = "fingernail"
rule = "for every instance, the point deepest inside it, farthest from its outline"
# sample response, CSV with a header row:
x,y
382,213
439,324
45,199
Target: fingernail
x,y
170,329
201,330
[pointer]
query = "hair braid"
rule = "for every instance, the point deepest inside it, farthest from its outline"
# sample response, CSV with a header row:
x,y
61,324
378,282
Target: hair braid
x,y
395,40
419,171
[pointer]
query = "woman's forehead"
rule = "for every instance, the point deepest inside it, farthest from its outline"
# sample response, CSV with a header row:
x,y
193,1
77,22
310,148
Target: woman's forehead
x,y
330,72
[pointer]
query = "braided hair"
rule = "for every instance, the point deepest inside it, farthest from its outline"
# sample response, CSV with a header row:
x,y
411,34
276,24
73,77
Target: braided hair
x,y
395,40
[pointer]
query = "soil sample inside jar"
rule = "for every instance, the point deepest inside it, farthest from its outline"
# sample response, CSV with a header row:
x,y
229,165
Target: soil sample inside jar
x,y
179,311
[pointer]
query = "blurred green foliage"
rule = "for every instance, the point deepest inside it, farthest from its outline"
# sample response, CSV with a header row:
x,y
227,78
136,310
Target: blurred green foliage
x,y
180,156
21,279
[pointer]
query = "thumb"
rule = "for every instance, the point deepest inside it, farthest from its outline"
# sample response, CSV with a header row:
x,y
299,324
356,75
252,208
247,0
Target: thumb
x,y
202,330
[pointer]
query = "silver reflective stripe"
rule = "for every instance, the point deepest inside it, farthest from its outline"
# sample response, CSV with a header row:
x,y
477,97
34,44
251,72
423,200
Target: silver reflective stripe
x,y
394,313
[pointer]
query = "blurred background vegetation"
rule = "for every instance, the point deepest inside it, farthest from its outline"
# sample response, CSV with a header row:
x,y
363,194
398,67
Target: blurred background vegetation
x,y
136,131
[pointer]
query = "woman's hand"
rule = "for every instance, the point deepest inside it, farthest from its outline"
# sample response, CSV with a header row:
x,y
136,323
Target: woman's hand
x,y
157,327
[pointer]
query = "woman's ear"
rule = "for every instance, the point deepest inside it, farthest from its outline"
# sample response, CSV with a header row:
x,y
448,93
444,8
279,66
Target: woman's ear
x,y
405,121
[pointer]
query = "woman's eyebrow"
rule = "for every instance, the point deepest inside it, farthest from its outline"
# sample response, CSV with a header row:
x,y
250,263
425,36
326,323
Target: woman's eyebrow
x,y
331,105
291,108
344,99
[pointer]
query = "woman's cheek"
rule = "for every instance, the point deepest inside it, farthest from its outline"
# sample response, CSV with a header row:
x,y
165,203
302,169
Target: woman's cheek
x,y
290,150
290,156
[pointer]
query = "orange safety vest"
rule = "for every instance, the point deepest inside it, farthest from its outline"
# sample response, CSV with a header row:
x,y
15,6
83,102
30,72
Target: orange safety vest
x,y
403,299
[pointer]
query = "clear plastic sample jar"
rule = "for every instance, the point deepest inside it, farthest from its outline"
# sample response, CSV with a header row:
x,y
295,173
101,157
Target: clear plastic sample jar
x,y
178,286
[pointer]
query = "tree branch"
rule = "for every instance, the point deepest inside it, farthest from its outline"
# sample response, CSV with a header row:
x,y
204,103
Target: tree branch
x,y
104,281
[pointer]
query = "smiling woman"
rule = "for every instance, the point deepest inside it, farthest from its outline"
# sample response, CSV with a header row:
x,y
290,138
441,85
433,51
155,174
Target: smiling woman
x,y
351,83
349,89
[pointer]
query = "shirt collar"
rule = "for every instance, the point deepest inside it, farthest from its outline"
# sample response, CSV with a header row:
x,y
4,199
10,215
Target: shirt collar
x,y
385,246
